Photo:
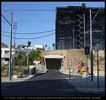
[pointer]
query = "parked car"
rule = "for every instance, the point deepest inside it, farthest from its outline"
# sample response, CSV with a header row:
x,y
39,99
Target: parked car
x,y
32,69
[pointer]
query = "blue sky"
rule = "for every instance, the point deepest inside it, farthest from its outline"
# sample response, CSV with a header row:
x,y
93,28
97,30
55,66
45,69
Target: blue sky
x,y
48,18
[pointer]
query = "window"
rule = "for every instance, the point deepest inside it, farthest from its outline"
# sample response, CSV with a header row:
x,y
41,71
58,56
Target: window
x,y
6,52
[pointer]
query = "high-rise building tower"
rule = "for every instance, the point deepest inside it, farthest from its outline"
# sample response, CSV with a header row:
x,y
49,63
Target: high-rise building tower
x,y
70,27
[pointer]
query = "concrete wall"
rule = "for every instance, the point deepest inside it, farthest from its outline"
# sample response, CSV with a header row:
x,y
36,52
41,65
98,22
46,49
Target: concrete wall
x,y
71,58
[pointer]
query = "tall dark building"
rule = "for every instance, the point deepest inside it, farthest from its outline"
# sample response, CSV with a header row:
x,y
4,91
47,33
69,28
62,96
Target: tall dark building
x,y
70,27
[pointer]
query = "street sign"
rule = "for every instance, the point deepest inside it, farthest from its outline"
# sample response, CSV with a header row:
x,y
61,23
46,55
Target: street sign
x,y
87,50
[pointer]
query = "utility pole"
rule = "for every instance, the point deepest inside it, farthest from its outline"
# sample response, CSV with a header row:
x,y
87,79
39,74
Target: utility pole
x,y
10,64
73,37
91,52
14,27
84,30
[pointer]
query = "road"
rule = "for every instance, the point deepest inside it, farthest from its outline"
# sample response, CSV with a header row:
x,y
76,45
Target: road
x,y
52,83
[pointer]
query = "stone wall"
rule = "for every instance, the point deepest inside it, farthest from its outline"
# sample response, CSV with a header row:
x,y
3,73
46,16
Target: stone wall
x,y
71,58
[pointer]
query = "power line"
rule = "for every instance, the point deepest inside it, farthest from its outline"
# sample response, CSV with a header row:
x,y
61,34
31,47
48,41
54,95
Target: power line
x,y
37,37
30,10
30,32
33,21
6,35
29,38
6,20
98,12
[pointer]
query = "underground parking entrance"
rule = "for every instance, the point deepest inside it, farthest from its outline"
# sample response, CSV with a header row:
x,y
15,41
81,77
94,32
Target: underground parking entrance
x,y
53,61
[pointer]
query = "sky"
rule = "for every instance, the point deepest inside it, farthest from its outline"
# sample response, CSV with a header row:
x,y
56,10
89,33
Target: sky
x,y
34,21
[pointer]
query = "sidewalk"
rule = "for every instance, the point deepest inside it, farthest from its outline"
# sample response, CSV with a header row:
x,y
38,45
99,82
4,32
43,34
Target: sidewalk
x,y
86,85
6,79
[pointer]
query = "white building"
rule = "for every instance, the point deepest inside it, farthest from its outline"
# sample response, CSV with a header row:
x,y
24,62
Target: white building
x,y
31,48
40,47
5,54
36,47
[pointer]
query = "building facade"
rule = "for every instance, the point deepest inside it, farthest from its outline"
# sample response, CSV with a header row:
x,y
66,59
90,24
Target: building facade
x,y
36,47
70,27
5,54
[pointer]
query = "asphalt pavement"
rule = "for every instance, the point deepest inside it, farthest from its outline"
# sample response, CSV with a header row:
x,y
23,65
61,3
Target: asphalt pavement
x,y
52,83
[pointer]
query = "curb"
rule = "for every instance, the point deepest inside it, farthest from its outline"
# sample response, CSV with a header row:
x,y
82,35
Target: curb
x,y
25,78
85,90
18,79
94,92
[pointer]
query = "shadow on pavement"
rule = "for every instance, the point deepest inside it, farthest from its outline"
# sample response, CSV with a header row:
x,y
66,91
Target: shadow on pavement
x,y
52,83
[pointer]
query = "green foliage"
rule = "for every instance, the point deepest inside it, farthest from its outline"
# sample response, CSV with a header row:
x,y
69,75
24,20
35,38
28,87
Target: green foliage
x,y
19,46
17,69
21,60
53,45
34,55
29,43
5,70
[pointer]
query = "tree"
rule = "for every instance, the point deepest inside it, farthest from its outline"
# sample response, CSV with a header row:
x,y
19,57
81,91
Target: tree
x,y
23,46
21,60
34,55
53,45
45,46
29,43
19,46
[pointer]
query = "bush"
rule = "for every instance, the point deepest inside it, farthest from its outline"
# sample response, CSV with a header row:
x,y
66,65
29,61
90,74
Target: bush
x,y
5,70
18,69
21,60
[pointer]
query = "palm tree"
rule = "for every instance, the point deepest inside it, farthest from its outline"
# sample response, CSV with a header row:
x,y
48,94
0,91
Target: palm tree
x,y
23,46
45,46
53,45
29,43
